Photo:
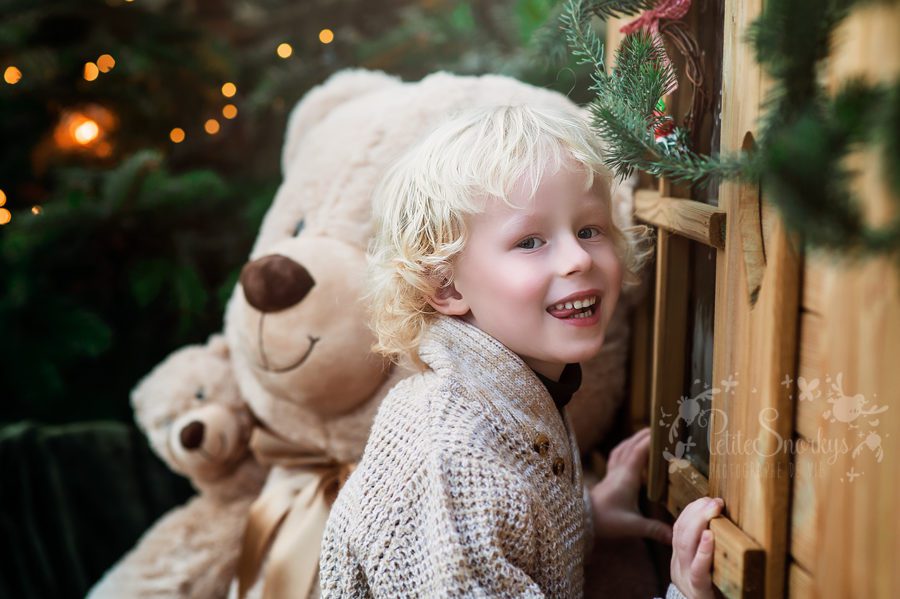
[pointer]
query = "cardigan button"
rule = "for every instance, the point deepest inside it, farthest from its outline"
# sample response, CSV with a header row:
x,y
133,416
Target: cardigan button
x,y
559,466
541,444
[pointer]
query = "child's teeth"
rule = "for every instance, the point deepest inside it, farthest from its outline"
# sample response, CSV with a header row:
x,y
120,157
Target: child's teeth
x,y
577,304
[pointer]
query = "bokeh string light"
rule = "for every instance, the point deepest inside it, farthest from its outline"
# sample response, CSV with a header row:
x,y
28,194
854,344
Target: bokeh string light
x,y
91,71
284,50
105,63
326,36
12,75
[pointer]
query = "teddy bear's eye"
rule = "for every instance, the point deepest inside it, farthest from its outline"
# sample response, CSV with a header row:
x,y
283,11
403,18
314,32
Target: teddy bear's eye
x,y
200,394
299,227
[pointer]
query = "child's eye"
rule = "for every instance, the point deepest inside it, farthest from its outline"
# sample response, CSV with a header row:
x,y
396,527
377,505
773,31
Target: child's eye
x,y
530,243
589,232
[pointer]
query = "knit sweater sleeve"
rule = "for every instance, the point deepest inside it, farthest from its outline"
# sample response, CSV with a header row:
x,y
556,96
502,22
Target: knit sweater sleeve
x,y
468,533
674,593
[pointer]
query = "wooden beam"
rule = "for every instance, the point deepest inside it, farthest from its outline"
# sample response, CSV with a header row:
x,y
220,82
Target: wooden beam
x,y
755,342
694,220
738,560
686,484
669,337
800,583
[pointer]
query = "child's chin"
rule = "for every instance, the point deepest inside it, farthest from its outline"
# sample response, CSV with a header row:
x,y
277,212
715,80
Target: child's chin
x,y
582,354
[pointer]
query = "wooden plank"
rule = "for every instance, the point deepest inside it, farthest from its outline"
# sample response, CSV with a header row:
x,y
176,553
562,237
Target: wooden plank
x,y
808,464
686,484
813,272
738,560
810,386
800,583
755,345
694,220
669,336
859,536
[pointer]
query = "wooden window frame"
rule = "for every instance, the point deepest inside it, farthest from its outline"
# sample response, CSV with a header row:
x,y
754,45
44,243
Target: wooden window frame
x,y
755,323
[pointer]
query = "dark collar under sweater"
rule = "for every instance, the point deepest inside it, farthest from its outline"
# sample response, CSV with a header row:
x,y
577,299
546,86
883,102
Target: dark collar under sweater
x,y
569,381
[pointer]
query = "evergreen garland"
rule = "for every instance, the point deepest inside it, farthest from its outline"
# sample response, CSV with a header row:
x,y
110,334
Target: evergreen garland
x,y
805,136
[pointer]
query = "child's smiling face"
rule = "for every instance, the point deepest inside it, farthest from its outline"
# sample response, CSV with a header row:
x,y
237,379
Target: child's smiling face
x,y
523,269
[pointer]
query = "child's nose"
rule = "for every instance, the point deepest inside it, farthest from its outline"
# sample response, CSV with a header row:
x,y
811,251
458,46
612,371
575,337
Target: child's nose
x,y
574,258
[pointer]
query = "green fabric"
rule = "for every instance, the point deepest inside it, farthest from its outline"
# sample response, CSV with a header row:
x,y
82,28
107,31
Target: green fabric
x,y
73,500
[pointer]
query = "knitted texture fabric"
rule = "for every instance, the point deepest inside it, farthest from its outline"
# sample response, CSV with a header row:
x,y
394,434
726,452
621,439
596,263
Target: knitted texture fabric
x,y
470,485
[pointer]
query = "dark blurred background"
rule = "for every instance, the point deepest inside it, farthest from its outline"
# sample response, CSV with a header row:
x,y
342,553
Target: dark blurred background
x,y
141,144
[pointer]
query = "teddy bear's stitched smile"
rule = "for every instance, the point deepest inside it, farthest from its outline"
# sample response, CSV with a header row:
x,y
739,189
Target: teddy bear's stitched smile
x,y
265,360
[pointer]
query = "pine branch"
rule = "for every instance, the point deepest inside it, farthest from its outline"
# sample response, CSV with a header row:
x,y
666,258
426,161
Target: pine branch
x,y
586,46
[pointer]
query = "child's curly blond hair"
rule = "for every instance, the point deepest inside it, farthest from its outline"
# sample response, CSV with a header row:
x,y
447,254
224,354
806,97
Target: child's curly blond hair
x,y
421,204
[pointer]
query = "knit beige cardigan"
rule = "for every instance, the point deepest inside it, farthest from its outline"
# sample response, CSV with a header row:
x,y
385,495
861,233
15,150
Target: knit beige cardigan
x,y
470,485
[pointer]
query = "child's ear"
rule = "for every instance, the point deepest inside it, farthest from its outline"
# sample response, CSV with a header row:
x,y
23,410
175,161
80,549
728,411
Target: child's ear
x,y
447,300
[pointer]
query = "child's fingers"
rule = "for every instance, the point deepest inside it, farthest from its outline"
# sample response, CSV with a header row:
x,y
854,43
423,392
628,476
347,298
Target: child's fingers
x,y
702,563
624,448
694,519
639,452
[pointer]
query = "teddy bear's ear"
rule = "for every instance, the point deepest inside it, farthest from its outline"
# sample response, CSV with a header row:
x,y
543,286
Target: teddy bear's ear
x,y
341,87
218,345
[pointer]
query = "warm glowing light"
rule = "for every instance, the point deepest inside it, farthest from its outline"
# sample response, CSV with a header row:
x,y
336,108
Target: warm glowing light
x,y
211,126
86,131
229,89
2,198
284,50
176,135
91,71
326,36
12,75
36,210
5,216
229,111
105,63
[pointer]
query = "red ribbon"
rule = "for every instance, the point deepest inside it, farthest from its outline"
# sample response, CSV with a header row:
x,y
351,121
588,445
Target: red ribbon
x,y
649,21
665,9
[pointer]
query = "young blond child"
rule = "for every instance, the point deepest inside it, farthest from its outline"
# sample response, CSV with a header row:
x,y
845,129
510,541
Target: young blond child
x,y
496,268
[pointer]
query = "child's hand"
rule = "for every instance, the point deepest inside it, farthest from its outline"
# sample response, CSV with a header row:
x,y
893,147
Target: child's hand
x,y
615,498
692,548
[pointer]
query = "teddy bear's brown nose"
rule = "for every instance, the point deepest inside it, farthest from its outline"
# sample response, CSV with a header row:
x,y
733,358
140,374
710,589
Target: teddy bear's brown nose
x,y
273,283
191,436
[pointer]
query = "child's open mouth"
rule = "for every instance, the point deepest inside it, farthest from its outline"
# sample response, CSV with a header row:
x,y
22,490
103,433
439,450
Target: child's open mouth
x,y
579,309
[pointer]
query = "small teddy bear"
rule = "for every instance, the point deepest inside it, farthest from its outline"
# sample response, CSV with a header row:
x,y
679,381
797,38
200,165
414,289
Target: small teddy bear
x,y
191,410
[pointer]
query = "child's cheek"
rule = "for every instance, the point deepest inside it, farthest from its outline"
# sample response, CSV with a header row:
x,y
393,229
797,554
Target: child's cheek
x,y
524,280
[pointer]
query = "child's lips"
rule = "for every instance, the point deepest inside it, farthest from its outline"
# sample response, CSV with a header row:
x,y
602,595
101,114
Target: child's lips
x,y
567,312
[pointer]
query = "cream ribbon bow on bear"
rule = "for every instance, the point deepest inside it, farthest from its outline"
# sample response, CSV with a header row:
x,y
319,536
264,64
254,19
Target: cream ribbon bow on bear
x,y
289,516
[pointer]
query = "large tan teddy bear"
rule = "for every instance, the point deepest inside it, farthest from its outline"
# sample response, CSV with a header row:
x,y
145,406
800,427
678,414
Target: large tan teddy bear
x,y
192,412
299,348
296,322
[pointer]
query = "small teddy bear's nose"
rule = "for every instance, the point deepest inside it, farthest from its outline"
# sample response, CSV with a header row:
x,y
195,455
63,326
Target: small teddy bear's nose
x,y
191,436
273,283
